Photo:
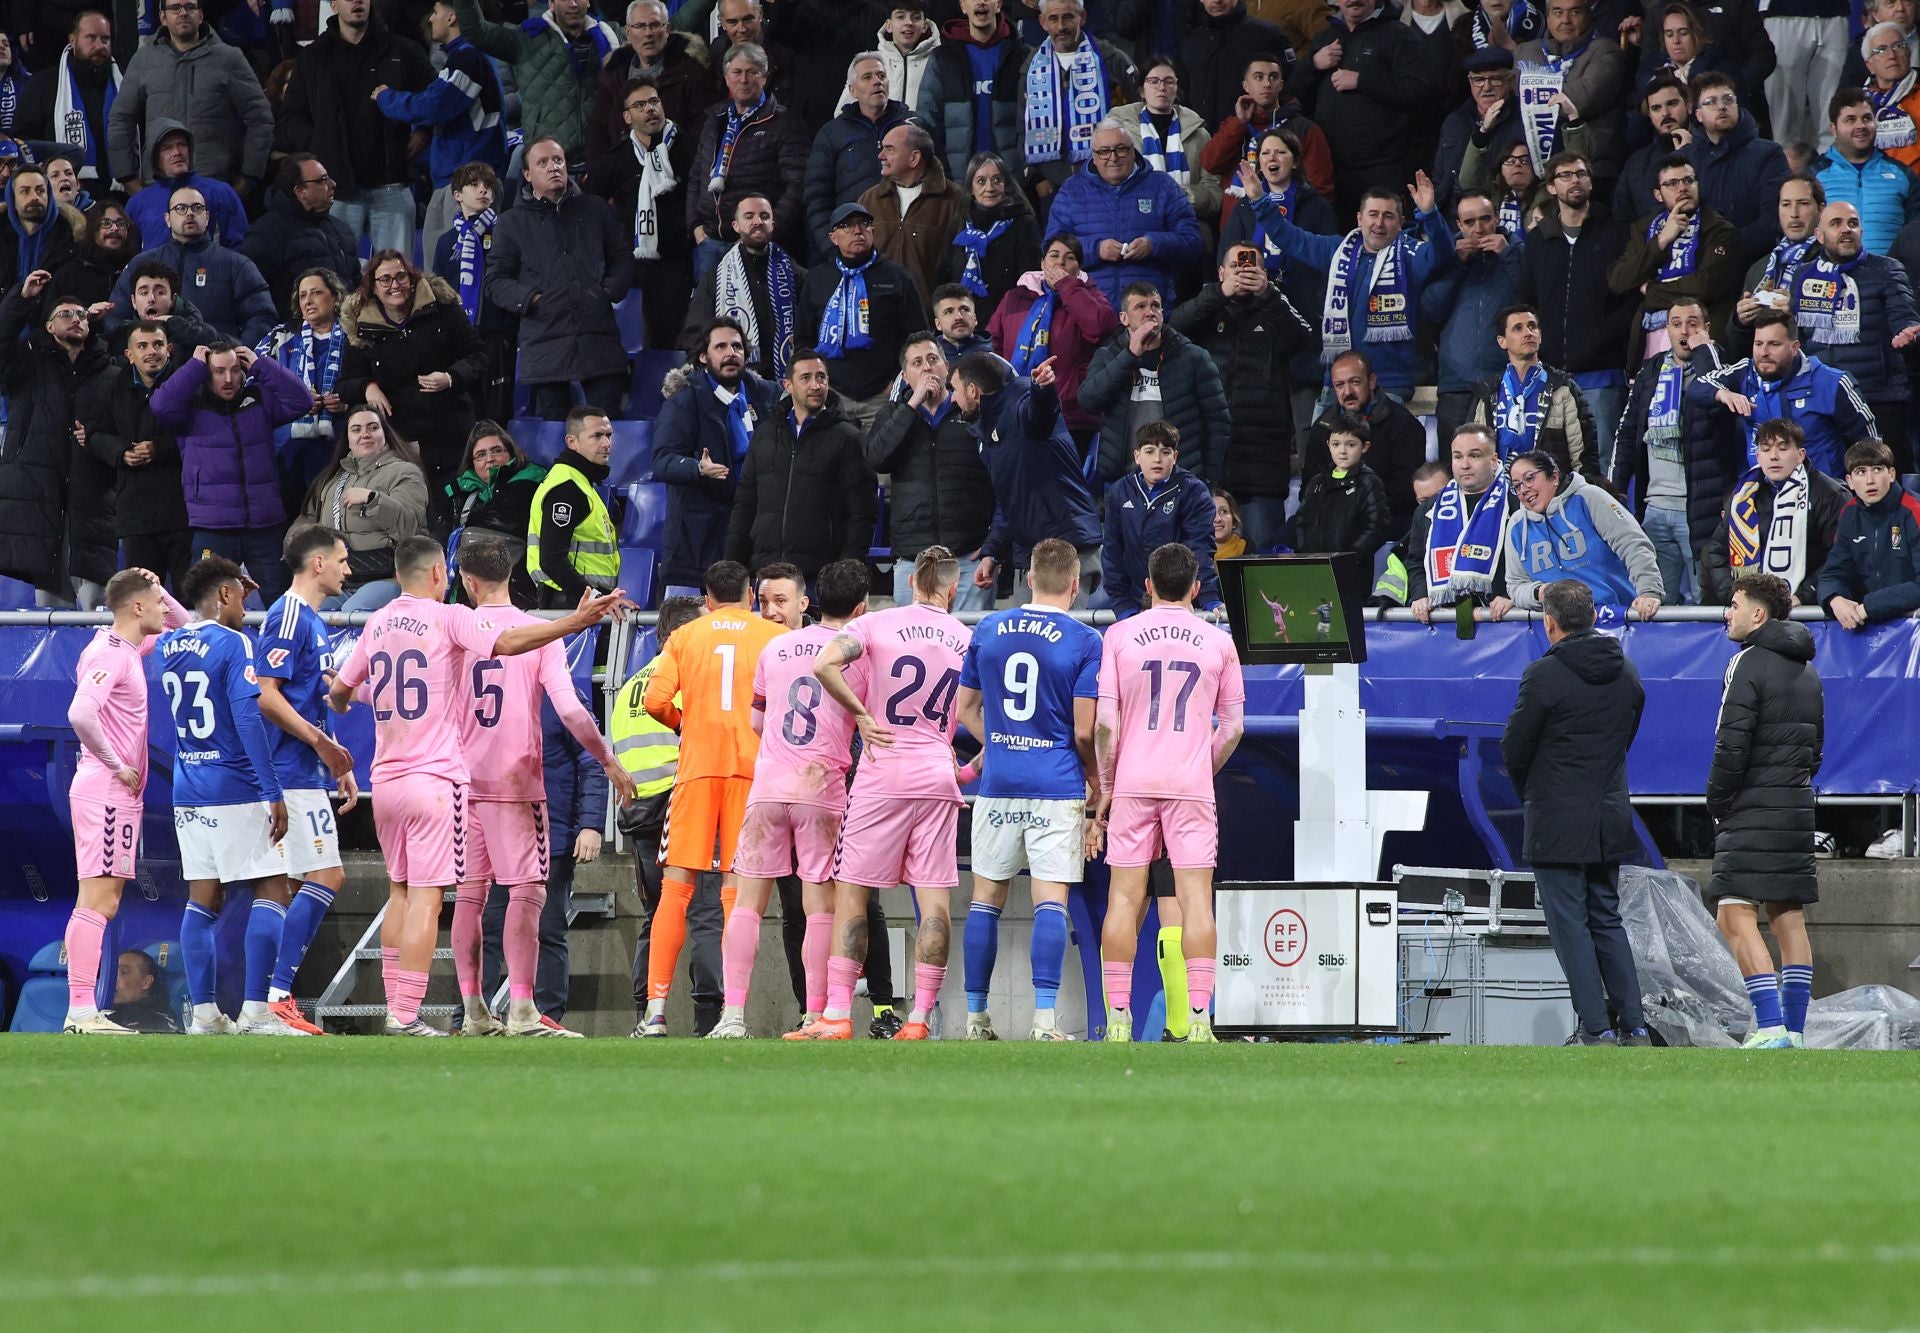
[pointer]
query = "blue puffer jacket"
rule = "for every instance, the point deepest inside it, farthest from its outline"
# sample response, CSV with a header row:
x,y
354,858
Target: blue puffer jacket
x,y
1035,469
1463,302
1825,404
222,283
1148,203
576,785
1878,369
1886,194
845,162
693,421
1587,535
1179,509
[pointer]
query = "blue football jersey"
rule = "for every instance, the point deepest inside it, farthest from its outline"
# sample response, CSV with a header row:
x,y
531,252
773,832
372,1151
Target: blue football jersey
x,y
221,755
1029,665
294,649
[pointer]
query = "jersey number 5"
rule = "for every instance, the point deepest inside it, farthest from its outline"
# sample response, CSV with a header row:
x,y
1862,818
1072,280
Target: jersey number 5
x,y
487,693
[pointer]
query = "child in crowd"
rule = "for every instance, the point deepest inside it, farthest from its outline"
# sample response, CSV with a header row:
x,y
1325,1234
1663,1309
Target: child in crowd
x,y
1156,503
1344,509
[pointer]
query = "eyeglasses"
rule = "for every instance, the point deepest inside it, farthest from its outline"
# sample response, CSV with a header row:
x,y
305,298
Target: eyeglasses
x,y
186,8
647,27
1679,181
327,181
1516,159
392,280
1161,81
1876,52
1717,99
114,224
1573,174
187,208
1487,80
491,451
1118,150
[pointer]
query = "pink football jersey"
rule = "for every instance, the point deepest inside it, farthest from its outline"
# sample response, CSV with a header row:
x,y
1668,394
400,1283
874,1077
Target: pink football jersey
x,y
500,715
112,676
415,657
914,657
806,740
1169,672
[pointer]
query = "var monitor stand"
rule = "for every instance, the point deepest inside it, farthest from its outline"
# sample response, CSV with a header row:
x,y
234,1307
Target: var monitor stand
x,y
1342,824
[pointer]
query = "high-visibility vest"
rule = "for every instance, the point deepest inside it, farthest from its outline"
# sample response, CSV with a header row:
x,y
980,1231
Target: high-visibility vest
x,y
648,750
595,550
1393,580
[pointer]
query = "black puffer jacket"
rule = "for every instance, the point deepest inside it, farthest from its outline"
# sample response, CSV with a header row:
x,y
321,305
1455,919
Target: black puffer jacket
x,y
150,498
1348,513
1214,55
1009,255
1371,125
1826,498
1251,339
1765,753
435,337
941,494
769,158
288,240
576,258
1712,452
1191,397
808,501
1566,749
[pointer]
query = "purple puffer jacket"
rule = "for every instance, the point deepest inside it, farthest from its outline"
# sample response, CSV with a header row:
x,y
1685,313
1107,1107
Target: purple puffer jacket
x,y
226,449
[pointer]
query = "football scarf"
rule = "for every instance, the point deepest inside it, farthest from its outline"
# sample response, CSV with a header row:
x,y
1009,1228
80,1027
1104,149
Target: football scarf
x,y
1054,135
1782,548
1389,313
656,179
1520,409
1030,348
1826,301
1893,126
1463,551
846,325
733,297
470,253
1169,156
975,242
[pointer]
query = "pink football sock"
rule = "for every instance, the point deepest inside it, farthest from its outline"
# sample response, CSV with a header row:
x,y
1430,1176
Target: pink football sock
x,y
409,991
1200,984
814,949
469,901
738,948
842,975
389,965
522,943
927,981
1118,979
85,931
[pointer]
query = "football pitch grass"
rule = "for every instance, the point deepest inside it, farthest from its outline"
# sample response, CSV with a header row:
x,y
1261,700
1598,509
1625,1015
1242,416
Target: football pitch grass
x,y
360,1184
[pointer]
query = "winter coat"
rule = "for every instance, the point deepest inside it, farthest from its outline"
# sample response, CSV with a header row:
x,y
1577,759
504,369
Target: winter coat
x,y
769,158
844,164
557,86
1738,45
1370,126
1822,401
1413,552
1566,430
211,89
920,239
1228,148
1203,187
1886,194
1305,286
1599,82
1139,521
938,492
1007,256
226,215
1192,399
1214,54
1121,86
1711,451
1740,180
705,303
226,447
1463,303
1083,318
1346,513
561,265
87,277
1825,499
693,421
894,310
146,499
59,237
1877,368
906,70
946,97
1566,748
684,81
1766,749
288,240
56,498
1147,203
1457,131
222,283
808,499
1714,282
1587,535
615,177
1037,483
1398,448
463,107
1251,340
1584,324
329,109
435,337
397,511
1873,561
502,506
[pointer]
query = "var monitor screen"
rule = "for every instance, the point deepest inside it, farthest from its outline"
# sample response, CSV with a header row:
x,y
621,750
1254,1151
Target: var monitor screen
x,y
1296,608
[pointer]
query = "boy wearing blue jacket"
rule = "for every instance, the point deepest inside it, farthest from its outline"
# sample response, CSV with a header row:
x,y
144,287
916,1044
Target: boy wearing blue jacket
x,y
1156,503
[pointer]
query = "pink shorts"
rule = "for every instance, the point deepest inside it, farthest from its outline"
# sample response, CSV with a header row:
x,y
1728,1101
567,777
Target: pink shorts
x,y
889,840
105,834
506,842
1140,829
778,836
421,821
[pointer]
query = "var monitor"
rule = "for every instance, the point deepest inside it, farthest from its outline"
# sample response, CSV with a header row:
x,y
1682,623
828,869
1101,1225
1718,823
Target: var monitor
x,y
1296,608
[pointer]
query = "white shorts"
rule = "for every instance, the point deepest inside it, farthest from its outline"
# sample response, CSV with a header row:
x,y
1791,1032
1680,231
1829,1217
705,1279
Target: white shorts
x,y
230,843
312,842
1015,833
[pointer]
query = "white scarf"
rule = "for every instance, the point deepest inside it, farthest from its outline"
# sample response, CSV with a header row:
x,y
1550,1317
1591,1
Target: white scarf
x,y
656,179
70,118
1782,548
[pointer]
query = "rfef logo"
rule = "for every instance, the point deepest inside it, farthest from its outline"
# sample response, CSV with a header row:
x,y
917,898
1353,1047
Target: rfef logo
x,y
1286,937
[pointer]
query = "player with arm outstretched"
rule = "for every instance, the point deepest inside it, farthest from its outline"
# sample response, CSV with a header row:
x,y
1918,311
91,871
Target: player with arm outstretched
x,y
904,811
1028,693
1280,614
109,715
1172,706
293,661
414,656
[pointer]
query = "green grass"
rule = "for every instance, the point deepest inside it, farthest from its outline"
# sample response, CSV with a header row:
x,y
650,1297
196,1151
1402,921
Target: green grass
x,y
358,1184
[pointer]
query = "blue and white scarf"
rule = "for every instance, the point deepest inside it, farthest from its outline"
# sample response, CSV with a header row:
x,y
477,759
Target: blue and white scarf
x,y
1520,409
733,297
846,325
1786,257
1053,133
1463,552
10,85
1539,84
1523,25
1893,127
1275,257
739,418
1826,301
1513,219
471,237
70,113
975,242
1170,156
1036,335
1680,262
316,366
1389,311
1663,410
599,32
737,121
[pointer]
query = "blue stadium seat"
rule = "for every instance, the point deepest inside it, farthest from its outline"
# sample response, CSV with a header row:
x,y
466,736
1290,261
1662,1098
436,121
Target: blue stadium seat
x,y
645,520
43,1000
543,441
636,573
649,368
15,595
631,318
172,965
632,452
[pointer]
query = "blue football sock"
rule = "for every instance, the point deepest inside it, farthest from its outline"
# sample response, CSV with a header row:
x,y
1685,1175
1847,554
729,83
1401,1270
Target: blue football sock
x,y
1763,988
304,914
265,922
1049,952
198,951
982,945
1796,992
